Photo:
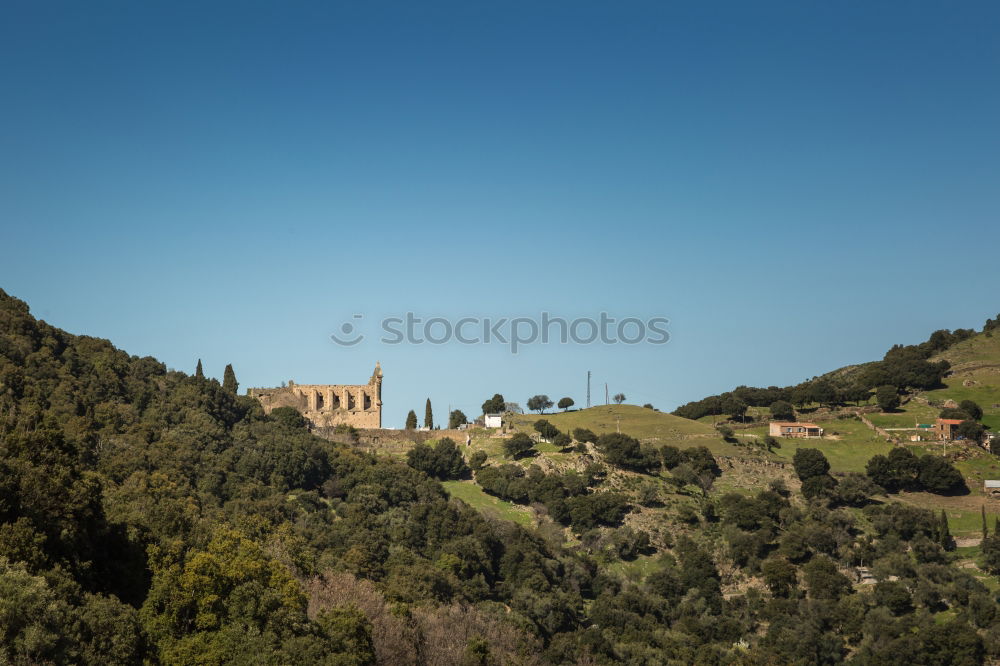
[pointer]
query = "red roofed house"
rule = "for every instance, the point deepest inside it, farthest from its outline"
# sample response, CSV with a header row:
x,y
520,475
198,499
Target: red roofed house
x,y
783,429
947,428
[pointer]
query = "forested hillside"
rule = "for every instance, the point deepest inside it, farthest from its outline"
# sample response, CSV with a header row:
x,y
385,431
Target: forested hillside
x,y
148,515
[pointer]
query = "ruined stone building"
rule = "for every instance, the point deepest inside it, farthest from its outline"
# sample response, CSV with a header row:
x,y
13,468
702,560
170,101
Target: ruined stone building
x,y
327,405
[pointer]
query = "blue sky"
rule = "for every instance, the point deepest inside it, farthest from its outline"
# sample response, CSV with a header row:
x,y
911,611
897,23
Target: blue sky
x,y
796,186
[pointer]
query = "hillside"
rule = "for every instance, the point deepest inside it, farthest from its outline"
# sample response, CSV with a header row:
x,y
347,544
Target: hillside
x,y
647,425
849,445
975,375
148,516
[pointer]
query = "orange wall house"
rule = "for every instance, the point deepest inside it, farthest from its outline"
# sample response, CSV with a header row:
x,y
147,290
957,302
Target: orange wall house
x,y
947,428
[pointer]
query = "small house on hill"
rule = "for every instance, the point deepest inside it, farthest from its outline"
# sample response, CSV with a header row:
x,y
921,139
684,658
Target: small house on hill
x,y
785,429
991,488
493,420
947,429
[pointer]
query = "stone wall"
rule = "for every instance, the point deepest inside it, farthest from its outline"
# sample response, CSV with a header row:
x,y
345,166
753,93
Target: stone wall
x,y
384,440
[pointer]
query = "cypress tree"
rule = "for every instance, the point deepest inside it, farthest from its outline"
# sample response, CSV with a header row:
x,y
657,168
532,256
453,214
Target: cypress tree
x,y
944,534
411,420
982,509
198,372
428,415
229,382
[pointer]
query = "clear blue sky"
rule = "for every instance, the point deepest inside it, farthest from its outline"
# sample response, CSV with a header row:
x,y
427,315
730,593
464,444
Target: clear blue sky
x,y
796,185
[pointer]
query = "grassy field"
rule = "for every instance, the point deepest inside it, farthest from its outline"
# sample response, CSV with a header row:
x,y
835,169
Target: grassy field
x,y
848,446
964,511
644,424
474,496
976,351
636,570
907,417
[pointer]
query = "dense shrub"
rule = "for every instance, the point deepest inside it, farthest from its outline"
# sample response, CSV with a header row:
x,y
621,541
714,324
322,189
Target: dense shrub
x,y
444,461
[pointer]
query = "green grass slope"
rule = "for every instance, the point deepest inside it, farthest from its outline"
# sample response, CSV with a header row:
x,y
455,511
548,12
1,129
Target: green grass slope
x,y
646,425
975,376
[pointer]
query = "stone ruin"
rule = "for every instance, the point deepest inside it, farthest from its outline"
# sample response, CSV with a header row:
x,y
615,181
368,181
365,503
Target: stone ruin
x,y
329,405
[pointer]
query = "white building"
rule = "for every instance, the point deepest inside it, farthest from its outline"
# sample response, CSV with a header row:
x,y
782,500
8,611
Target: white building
x,y
493,420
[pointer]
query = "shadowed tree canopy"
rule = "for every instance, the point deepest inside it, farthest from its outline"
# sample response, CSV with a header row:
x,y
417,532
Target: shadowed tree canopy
x,y
782,410
887,397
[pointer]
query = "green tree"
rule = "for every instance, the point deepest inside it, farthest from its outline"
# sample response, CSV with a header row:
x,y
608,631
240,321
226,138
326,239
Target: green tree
x,y
971,430
619,398
702,460
779,575
478,460
971,408
887,398
229,382
518,445
289,417
456,418
936,475
953,413
735,407
584,435
428,415
545,429
198,372
348,633
990,547
809,463
444,461
782,411
894,596
945,539
823,392
494,405
621,450
857,393
539,403
199,601
880,472
855,490
565,403
819,486
823,579
411,420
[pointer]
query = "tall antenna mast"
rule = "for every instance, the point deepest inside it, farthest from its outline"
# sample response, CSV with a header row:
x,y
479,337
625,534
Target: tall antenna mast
x,y
588,388
606,394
